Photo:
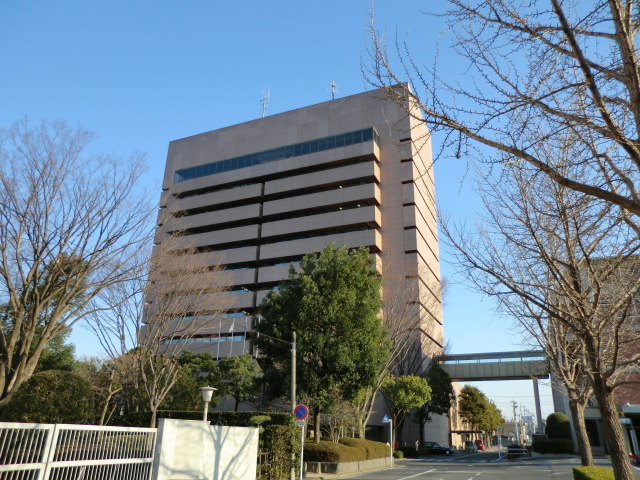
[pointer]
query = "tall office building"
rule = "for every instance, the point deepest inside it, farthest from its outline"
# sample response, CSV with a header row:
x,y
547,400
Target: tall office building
x,y
255,197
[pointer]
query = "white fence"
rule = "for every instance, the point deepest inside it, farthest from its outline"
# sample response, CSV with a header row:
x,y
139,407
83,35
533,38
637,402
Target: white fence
x,y
75,452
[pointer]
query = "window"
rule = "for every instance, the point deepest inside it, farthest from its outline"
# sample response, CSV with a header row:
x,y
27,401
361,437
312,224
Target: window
x,y
317,145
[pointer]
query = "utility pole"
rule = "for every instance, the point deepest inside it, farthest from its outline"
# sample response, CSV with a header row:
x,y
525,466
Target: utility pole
x,y
293,400
293,374
515,421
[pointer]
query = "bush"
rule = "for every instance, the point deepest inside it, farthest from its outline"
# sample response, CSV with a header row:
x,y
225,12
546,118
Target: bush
x,y
408,452
592,473
279,441
398,454
52,396
554,445
558,426
332,452
372,449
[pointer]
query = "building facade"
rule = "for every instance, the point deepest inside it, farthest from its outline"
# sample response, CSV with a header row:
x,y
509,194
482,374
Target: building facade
x,y
253,198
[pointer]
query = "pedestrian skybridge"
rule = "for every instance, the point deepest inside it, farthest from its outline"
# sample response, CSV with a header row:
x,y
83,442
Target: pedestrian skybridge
x,y
473,367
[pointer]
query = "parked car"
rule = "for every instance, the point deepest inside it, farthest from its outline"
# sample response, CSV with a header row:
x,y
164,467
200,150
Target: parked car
x,y
436,448
480,444
470,447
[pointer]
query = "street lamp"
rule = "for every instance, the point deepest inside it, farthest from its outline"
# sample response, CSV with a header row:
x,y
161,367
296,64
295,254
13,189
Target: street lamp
x,y
207,393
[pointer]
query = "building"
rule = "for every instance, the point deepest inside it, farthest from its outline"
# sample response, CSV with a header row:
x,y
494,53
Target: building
x,y
255,197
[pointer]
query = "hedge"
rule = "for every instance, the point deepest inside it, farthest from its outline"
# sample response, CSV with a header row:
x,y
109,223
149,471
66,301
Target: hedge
x,y
372,449
553,445
327,451
592,473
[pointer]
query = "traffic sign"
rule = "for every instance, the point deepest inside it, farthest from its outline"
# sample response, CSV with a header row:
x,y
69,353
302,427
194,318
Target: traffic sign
x,y
385,419
301,423
301,412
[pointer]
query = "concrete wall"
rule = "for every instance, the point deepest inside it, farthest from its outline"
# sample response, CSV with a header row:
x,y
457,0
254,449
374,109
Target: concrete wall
x,y
192,449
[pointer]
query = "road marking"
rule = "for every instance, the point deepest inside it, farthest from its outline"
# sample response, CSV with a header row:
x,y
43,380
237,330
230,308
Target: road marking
x,y
464,471
418,474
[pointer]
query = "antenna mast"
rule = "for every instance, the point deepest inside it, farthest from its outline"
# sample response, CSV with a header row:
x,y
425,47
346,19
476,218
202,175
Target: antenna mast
x,y
334,88
264,101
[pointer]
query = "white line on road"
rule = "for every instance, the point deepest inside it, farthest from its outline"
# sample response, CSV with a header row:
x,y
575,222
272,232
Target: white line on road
x,y
418,474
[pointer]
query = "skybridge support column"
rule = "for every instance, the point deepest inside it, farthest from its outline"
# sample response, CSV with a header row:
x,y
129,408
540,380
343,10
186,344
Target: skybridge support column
x,y
536,394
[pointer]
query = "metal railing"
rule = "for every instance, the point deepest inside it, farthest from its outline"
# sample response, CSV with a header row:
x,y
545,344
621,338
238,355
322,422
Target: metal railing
x,y
75,452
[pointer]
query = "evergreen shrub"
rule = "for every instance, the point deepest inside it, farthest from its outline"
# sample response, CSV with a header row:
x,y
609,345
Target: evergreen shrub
x,y
558,426
398,454
554,445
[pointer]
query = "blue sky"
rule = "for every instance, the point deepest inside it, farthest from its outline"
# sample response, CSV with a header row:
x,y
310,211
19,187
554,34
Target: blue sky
x,y
141,74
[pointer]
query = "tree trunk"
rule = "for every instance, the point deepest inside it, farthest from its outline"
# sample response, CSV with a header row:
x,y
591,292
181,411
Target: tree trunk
x,y
584,447
317,427
612,431
152,423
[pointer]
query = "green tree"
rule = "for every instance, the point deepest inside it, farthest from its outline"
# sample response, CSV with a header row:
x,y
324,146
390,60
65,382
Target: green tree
x,y
196,370
442,396
493,419
332,302
240,375
478,410
404,393
52,396
58,355
473,405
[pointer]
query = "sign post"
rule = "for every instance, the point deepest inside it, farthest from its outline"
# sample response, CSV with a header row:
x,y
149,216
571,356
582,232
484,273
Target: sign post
x,y
386,419
301,412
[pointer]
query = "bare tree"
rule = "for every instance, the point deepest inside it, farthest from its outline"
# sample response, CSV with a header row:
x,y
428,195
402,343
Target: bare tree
x,y
566,356
154,319
564,265
532,73
108,385
412,315
70,226
531,70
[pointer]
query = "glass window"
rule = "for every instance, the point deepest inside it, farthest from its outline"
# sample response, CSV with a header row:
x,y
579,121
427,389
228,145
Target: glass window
x,y
288,151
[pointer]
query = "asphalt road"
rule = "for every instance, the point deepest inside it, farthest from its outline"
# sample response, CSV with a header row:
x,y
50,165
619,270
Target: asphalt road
x,y
479,465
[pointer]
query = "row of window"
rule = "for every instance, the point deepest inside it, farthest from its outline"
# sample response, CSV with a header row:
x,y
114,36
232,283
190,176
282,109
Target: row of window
x,y
232,338
188,318
295,150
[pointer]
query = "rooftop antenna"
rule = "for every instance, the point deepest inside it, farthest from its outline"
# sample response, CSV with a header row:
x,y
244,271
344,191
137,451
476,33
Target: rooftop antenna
x,y
334,89
264,101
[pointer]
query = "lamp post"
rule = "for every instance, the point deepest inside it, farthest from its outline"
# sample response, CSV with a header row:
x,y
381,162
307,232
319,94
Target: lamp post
x,y
207,393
